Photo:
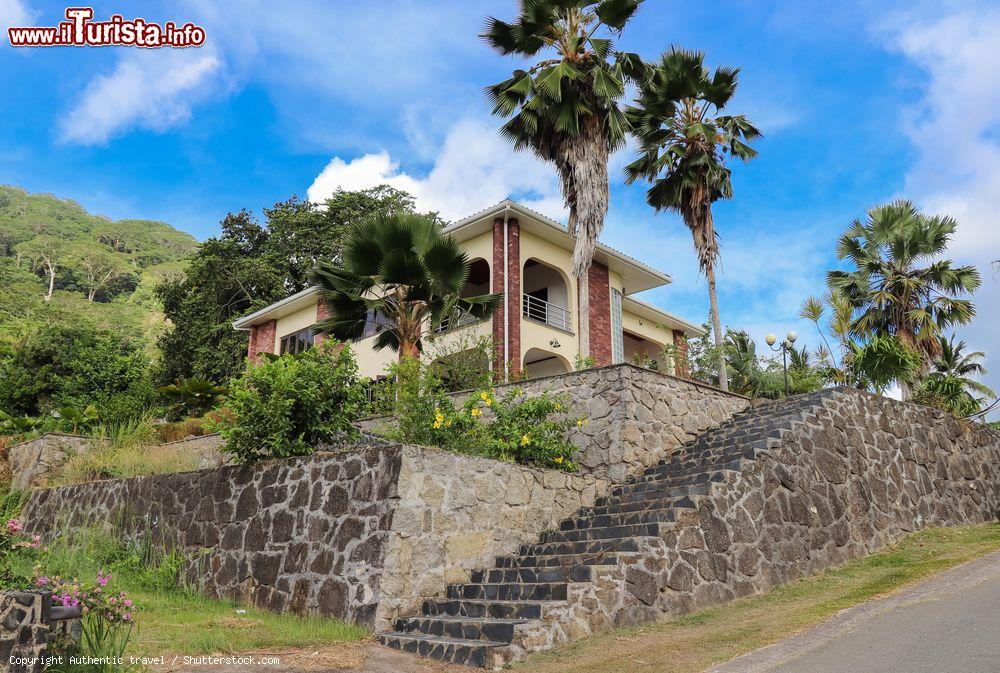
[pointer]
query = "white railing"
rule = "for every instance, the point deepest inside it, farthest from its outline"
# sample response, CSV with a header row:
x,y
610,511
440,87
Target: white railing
x,y
452,322
545,312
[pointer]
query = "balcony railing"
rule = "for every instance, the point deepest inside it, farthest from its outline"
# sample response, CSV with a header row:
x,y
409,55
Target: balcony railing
x,y
452,322
545,312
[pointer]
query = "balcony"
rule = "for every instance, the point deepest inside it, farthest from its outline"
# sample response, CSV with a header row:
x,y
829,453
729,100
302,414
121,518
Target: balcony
x,y
545,312
453,322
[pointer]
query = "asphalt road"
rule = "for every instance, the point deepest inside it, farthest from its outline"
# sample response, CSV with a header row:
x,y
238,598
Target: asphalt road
x,y
948,624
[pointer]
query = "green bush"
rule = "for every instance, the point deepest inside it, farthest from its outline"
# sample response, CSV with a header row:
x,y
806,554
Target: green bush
x,y
514,428
287,405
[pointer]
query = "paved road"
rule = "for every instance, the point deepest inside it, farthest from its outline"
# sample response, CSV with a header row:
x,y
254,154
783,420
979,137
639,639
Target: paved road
x,y
949,624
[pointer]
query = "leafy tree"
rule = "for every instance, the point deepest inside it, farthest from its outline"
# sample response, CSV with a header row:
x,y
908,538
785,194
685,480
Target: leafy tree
x,y
951,381
402,270
881,361
77,367
45,254
900,285
192,397
565,108
249,266
684,143
100,267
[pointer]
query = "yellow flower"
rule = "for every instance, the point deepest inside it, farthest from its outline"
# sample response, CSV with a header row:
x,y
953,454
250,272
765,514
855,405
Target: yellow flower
x,y
559,459
476,412
525,440
579,423
558,407
489,403
437,424
484,395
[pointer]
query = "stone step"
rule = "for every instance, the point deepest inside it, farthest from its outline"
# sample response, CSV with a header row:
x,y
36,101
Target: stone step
x,y
658,494
558,560
463,628
581,547
511,591
478,653
655,485
652,505
589,521
454,607
680,470
601,533
576,573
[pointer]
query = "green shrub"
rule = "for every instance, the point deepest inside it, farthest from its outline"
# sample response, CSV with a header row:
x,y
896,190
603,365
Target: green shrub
x,y
287,405
191,397
514,428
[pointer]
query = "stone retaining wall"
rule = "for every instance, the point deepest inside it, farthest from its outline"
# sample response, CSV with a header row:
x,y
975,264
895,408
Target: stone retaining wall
x,y
636,416
31,461
377,528
27,630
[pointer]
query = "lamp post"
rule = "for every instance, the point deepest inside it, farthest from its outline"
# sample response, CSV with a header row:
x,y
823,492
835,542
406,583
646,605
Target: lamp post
x,y
785,346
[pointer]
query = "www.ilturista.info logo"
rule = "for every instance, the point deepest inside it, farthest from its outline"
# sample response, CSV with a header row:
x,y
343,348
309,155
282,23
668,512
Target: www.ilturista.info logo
x,y
79,30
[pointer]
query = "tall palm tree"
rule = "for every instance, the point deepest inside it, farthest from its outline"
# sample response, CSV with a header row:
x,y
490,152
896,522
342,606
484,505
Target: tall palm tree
x,y
684,146
565,107
951,377
900,285
400,277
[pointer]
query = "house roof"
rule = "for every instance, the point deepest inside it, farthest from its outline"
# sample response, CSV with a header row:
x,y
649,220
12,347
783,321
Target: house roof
x,y
661,317
279,309
636,276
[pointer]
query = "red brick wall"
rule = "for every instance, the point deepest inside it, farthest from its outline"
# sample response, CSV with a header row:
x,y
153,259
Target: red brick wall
x,y
261,340
681,366
322,313
600,314
513,306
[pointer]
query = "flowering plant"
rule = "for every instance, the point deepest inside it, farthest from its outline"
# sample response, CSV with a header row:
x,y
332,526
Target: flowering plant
x,y
13,541
94,600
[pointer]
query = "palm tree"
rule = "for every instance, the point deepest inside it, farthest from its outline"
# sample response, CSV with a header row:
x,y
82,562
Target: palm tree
x,y
565,108
951,379
400,277
684,145
900,286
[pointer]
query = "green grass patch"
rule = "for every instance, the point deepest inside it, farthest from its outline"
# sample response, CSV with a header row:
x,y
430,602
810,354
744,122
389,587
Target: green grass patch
x,y
172,618
695,642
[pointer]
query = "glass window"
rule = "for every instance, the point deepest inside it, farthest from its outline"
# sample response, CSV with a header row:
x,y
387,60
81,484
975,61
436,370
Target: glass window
x,y
617,340
297,342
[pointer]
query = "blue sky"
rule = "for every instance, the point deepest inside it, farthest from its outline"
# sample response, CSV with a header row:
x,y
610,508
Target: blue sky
x,y
860,104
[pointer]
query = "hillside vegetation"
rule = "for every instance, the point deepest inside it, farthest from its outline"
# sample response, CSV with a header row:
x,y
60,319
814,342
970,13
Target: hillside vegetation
x,y
60,265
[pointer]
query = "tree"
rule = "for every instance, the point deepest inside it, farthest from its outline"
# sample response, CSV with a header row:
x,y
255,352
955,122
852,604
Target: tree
x,y
684,144
400,275
900,286
45,253
951,378
100,267
880,361
814,309
566,108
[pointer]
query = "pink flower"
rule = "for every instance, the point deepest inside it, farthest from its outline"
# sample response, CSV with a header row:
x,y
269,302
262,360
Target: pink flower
x,y
14,526
127,603
42,581
102,579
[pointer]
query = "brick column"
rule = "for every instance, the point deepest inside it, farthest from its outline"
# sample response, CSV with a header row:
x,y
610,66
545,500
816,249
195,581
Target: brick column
x,y
513,304
322,313
600,314
261,340
682,367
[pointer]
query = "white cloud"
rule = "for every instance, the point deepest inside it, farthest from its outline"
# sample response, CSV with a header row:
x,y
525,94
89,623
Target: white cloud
x,y
14,13
474,168
151,89
955,130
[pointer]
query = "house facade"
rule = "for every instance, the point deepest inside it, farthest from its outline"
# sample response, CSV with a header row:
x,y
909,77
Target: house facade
x,y
527,258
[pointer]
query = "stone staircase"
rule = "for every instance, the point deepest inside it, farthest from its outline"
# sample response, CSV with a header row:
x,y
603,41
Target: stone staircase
x,y
509,609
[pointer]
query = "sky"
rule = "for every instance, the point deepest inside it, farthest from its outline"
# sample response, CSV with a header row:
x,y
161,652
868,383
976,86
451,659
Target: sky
x,y
860,103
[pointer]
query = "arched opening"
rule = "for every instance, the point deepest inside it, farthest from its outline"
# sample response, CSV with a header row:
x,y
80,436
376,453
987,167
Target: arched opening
x,y
539,363
644,352
546,295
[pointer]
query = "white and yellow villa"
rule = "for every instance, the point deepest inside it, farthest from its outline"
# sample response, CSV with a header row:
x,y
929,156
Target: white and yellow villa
x,y
527,258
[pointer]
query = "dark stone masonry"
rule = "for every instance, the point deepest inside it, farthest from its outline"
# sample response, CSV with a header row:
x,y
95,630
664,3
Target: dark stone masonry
x,y
691,498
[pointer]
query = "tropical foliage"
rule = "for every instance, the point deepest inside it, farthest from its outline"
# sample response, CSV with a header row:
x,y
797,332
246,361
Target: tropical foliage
x,y
900,285
684,144
399,277
191,397
289,405
514,427
566,107
952,383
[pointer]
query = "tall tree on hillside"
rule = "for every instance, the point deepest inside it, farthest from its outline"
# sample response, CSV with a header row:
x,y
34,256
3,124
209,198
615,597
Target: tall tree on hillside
x,y
45,254
565,108
100,266
400,277
900,285
684,144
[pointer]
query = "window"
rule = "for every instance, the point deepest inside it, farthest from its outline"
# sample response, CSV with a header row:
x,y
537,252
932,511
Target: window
x,y
297,342
617,343
374,322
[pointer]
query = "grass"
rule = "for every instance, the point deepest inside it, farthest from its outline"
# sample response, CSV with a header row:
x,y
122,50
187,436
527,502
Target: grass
x,y
698,641
173,619
128,449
